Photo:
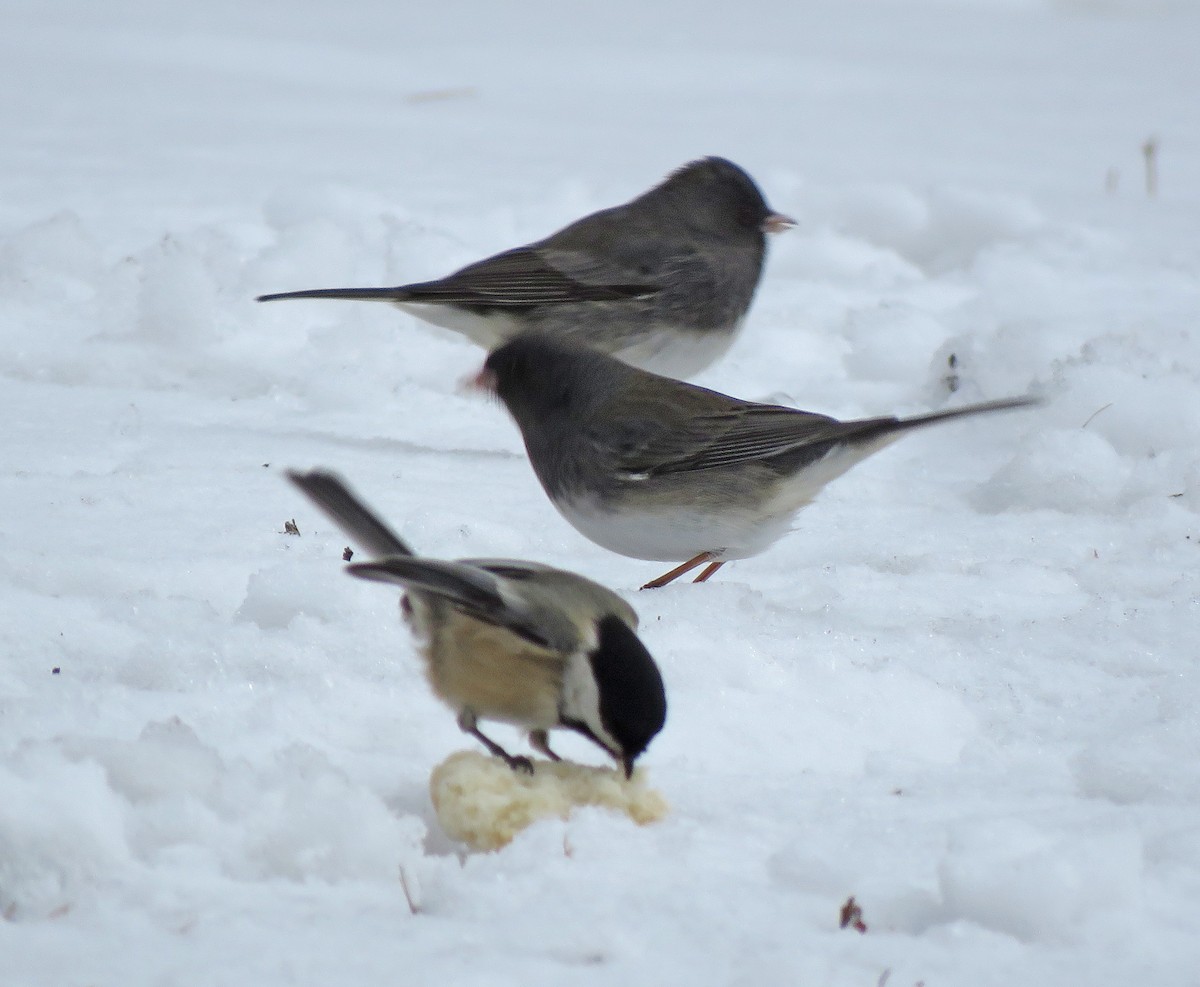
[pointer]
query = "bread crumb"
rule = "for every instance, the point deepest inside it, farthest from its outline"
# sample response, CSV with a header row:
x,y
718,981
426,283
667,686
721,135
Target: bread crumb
x,y
482,802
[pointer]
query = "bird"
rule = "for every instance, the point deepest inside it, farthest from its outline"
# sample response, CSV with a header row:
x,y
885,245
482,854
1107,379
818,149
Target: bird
x,y
663,281
659,469
518,642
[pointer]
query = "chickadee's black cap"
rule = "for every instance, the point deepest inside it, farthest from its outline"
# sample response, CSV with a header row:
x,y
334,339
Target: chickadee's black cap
x,y
633,702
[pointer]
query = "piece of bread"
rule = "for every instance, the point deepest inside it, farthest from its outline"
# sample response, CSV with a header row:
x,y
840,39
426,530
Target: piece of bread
x,y
484,803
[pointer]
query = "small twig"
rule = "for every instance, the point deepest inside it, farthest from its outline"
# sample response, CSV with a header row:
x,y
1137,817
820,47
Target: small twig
x,y
951,379
291,528
414,904
1095,413
1150,152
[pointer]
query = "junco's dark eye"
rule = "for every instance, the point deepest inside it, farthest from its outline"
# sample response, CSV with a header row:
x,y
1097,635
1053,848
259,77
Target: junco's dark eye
x,y
752,216
560,397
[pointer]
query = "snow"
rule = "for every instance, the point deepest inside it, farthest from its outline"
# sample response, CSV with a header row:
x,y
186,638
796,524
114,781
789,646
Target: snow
x,y
964,691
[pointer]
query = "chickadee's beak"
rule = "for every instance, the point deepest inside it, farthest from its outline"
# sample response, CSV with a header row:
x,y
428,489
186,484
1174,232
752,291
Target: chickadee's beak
x,y
777,222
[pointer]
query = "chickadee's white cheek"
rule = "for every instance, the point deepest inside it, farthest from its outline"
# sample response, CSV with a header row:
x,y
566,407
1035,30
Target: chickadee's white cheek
x,y
581,699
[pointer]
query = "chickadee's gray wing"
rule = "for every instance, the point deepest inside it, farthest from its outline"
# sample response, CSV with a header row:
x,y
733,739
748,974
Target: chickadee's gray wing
x,y
330,493
536,275
548,589
472,589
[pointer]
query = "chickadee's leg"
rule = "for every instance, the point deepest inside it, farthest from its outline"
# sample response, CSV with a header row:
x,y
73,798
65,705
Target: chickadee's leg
x,y
467,724
539,740
682,570
707,573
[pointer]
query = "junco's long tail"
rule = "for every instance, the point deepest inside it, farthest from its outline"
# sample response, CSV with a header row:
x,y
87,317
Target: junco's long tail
x,y
501,289
871,428
337,500
402,294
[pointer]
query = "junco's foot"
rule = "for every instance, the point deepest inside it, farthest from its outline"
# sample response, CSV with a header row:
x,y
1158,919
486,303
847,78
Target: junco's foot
x,y
654,468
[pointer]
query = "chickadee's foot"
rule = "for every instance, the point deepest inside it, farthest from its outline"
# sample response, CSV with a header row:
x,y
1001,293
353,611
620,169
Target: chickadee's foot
x,y
539,740
519,763
466,722
683,570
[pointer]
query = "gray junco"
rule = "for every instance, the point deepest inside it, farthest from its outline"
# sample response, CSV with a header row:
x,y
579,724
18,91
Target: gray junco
x,y
513,641
654,468
662,282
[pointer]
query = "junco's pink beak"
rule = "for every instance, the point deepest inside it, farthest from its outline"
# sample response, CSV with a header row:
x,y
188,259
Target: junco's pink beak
x,y
484,381
777,222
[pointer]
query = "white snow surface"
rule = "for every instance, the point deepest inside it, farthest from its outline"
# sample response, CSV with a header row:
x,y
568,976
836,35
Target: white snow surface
x,y
963,691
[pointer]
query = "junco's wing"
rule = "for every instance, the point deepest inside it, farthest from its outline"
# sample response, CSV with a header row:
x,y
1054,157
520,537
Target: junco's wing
x,y
525,276
743,432
537,276
329,492
473,590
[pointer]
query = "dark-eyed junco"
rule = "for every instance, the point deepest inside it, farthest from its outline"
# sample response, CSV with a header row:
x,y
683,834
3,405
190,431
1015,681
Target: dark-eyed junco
x,y
662,282
654,468
513,641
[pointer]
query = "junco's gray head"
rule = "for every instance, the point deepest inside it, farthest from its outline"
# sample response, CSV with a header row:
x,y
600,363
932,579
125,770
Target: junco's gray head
x,y
514,641
717,197
654,468
662,282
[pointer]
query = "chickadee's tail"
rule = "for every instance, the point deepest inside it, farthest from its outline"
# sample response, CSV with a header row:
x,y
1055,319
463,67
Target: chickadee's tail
x,y
398,294
329,492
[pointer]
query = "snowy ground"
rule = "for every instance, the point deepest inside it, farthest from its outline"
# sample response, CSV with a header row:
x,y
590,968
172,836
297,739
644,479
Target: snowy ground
x,y
964,691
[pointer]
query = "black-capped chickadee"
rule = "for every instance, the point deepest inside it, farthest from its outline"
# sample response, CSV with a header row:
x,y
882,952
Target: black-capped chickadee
x,y
654,468
662,282
519,642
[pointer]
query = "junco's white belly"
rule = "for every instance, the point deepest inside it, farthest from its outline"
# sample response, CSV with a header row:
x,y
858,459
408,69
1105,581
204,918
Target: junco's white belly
x,y
488,331
676,351
662,348
737,524
675,535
